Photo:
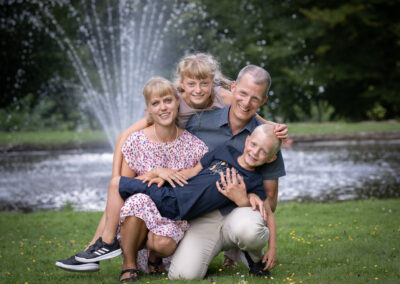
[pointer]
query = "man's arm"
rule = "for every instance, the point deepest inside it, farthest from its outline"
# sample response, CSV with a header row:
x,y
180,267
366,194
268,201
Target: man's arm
x,y
271,190
270,256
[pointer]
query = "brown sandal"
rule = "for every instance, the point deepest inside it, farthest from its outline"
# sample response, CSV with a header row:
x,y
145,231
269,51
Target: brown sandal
x,y
133,275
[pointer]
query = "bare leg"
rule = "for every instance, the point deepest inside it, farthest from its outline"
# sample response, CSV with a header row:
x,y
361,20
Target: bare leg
x,y
99,230
159,247
113,208
133,235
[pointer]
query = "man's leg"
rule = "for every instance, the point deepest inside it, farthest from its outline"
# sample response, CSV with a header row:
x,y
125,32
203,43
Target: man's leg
x,y
202,242
245,229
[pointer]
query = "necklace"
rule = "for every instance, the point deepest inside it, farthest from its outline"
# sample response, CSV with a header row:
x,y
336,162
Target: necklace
x,y
163,143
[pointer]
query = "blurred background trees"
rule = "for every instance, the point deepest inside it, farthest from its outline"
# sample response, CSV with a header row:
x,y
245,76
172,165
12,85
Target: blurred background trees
x,y
329,60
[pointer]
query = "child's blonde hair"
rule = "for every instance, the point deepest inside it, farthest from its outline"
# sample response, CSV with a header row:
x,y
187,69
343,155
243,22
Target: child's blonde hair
x,y
268,131
158,87
200,66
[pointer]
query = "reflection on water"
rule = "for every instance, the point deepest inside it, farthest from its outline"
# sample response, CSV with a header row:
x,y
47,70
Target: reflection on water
x,y
328,171
339,171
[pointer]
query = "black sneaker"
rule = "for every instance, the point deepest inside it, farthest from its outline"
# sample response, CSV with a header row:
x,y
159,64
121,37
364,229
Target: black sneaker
x,y
99,251
71,264
255,268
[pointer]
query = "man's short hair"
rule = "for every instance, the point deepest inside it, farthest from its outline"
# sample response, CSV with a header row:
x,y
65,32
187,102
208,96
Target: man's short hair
x,y
260,76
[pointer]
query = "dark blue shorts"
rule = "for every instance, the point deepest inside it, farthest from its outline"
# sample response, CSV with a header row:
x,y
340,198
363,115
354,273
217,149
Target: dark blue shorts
x,y
164,197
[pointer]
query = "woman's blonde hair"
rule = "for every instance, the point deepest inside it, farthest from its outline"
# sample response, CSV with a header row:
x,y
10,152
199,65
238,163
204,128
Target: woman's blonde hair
x,y
200,66
157,87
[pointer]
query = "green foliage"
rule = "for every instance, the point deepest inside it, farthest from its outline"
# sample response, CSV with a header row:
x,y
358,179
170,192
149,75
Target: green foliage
x,y
348,242
328,60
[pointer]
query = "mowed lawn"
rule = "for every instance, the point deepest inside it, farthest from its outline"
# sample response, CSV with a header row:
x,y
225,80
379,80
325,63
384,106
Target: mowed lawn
x,y
346,242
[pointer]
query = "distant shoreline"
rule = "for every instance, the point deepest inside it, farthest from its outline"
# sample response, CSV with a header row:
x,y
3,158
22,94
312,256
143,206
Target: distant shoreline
x,y
293,139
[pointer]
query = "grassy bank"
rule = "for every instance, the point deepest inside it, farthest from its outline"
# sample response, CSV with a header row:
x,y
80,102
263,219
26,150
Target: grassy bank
x,y
341,127
53,139
347,242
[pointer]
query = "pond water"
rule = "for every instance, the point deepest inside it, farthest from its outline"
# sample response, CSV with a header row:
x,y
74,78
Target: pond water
x,y
315,171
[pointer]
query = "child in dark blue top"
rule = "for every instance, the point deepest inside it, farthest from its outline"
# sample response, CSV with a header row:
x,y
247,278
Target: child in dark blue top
x,y
207,189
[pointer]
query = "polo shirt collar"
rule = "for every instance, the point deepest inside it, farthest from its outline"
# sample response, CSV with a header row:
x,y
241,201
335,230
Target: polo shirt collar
x,y
224,120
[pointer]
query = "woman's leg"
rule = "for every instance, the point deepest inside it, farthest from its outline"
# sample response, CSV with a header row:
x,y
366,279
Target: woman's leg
x,y
160,246
133,234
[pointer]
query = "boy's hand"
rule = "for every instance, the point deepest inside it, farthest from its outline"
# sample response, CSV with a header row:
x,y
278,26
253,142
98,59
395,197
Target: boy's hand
x,y
233,187
269,258
257,203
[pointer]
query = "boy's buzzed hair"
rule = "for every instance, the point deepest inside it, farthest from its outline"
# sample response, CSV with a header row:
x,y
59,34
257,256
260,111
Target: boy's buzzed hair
x,y
268,131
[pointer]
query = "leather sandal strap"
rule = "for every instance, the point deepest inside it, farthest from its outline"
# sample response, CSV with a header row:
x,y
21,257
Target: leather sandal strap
x,y
130,270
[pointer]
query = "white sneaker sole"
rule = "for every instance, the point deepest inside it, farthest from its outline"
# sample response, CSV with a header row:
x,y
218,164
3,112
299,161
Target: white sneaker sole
x,y
101,257
87,267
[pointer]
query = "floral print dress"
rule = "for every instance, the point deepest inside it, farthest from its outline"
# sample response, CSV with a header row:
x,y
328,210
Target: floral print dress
x,y
142,155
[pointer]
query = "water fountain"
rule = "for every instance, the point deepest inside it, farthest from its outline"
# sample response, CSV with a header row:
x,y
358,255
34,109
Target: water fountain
x,y
118,47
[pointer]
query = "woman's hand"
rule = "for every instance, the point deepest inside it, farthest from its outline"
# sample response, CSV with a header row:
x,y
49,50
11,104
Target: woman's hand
x,y
257,203
159,181
147,176
281,131
233,187
171,176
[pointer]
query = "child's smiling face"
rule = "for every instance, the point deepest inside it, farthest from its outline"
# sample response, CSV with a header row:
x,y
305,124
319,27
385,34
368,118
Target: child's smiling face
x,y
258,150
197,91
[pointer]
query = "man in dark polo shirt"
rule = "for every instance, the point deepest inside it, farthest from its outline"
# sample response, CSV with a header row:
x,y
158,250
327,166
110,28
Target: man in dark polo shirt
x,y
230,227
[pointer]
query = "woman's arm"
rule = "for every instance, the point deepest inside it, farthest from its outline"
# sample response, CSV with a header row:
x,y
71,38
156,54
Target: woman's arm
x,y
191,172
117,157
126,171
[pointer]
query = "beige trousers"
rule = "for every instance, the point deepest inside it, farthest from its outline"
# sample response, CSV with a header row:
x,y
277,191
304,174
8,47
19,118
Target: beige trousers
x,y
243,228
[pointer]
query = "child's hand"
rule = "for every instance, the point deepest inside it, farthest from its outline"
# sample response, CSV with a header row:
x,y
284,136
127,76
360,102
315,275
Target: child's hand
x,y
233,187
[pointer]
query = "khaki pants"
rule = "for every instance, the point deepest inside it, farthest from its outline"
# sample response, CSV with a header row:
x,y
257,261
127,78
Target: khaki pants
x,y
243,228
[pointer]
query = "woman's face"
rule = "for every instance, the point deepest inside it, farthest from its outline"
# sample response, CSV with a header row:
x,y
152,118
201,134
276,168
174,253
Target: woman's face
x,y
197,91
163,110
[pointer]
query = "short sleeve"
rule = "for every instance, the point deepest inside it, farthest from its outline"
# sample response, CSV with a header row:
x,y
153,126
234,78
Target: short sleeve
x,y
274,170
207,159
129,150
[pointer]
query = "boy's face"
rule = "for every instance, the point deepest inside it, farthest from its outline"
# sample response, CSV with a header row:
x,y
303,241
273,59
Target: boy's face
x,y
257,150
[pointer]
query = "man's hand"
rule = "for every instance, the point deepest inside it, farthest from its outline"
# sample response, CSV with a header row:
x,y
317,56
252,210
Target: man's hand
x,y
257,204
269,258
233,187
281,131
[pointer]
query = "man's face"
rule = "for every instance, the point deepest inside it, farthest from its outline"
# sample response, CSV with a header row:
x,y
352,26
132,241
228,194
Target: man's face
x,y
247,98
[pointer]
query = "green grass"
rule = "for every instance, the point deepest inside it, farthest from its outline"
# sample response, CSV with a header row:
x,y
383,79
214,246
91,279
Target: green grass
x,y
65,137
342,127
52,137
346,242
